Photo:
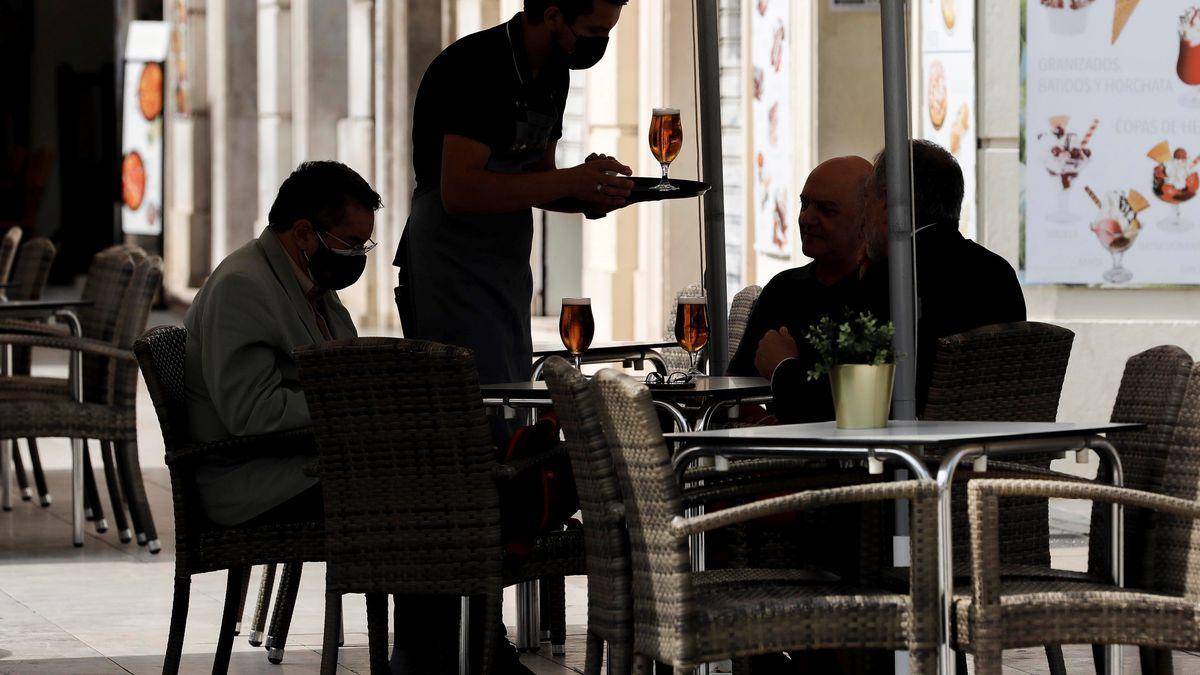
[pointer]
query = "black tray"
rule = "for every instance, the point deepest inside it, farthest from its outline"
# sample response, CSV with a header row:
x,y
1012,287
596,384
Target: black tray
x,y
641,193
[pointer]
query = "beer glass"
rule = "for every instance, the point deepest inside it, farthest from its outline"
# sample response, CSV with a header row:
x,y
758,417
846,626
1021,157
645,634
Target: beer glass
x,y
691,327
576,327
666,137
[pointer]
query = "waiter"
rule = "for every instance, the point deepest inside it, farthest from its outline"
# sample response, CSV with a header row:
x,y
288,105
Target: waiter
x,y
487,119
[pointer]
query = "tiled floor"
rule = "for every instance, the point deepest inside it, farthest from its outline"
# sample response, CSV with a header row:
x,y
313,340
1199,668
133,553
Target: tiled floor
x,y
105,608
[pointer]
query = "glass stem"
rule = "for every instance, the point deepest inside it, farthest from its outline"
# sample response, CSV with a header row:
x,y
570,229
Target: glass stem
x,y
664,166
1118,257
692,360
578,361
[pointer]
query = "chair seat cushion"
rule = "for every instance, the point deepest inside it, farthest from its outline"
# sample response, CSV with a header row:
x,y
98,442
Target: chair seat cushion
x,y
63,418
780,614
1059,611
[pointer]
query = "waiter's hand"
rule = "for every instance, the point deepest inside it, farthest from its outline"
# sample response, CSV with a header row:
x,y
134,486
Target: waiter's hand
x,y
594,182
774,348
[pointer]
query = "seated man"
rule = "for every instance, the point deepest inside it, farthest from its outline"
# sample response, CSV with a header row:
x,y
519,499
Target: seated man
x,y
831,234
265,299
960,284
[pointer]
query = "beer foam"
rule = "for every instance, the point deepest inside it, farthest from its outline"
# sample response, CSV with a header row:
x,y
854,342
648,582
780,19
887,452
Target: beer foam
x,y
575,302
693,300
666,111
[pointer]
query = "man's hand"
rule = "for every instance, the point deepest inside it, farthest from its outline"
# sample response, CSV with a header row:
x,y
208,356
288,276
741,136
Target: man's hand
x,y
600,181
773,349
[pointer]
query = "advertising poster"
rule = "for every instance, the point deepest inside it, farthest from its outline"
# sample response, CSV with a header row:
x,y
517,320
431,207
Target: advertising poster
x,y
1112,142
142,129
947,110
774,149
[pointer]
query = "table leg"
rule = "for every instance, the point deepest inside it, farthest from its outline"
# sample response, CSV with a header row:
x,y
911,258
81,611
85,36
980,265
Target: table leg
x,y
945,541
528,616
7,446
1114,664
676,414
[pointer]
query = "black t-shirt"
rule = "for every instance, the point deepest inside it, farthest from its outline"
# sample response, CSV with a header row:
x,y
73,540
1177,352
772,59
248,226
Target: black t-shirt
x,y
481,88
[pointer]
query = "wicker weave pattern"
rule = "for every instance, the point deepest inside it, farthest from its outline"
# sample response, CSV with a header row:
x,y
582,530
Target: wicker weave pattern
x,y
8,251
610,607
740,310
107,283
1151,393
683,622
406,466
1005,372
32,270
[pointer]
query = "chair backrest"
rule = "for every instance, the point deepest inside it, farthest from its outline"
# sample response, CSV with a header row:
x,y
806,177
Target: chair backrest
x,y
610,605
107,284
1176,539
739,315
1151,393
131,322
662,587
161,354
407,467
1005,372
32,269
8,251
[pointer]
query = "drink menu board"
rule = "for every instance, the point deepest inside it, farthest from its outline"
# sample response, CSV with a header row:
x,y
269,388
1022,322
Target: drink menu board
x,y
1112,142
947,111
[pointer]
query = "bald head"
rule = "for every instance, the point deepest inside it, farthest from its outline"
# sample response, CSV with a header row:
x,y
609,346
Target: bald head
x,y
831,215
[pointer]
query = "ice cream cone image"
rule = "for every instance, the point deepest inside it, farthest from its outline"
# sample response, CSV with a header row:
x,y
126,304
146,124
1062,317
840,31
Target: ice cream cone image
x,y
1121,17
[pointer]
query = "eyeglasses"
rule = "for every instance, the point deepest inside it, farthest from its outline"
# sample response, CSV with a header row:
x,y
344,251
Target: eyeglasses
x,y
674,378
349,250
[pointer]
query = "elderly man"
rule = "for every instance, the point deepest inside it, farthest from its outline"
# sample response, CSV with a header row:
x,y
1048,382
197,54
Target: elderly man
x,y
270,296
830,222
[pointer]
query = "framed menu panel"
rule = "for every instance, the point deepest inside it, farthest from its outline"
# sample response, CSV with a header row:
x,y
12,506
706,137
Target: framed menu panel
x,y
1112,142
142,129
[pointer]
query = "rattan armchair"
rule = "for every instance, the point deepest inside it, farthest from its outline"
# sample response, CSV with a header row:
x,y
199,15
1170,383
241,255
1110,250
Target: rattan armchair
x,y
27,282
684,623
8,252
201,546
411,484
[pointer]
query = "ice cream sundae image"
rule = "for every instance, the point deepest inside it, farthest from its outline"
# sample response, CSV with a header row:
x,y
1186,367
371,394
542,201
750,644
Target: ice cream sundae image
x,y
1116,227
1064,156
936,96
1175,182
1188,66
1067,17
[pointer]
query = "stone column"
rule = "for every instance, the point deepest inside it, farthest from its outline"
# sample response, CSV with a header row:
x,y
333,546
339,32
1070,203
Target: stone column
x,y
356,142
318,77
233,99
274,101
188,238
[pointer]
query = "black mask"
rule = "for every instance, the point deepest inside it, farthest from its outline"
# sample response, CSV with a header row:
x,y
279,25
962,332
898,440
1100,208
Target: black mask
x,y
589,49
333,271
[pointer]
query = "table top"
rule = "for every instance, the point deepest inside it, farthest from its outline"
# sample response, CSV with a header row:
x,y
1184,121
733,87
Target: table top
x,y
550,349
897,433
706,387
30,306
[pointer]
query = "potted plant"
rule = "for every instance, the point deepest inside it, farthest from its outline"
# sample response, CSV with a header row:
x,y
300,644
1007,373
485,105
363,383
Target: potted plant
x,y
857,355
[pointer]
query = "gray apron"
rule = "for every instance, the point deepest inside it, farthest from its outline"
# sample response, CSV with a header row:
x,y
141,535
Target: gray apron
x,y
465,280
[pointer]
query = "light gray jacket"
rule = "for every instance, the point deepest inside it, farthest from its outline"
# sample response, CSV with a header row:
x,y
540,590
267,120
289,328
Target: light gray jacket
x,y
241,379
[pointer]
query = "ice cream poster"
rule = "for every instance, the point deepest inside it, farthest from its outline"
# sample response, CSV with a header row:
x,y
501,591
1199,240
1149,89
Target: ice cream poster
x,y
1112,142
947,110
774,151
142,129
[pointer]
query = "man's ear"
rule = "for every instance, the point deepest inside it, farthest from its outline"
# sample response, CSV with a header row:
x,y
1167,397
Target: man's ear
x,y
303,231
553,17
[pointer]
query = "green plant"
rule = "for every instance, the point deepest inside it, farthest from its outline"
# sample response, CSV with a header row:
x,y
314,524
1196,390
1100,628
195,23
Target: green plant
x,y
860,340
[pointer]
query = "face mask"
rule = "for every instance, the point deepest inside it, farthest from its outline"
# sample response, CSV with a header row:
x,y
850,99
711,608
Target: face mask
x,y
333,270
588,51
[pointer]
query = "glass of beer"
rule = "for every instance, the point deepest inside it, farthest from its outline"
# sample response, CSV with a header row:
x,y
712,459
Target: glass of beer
x,y
666,137
691,327
576,327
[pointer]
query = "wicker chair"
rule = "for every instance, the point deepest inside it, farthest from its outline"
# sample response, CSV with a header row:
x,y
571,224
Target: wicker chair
x,y
1161,614
410,482
28,279
201,546
684,623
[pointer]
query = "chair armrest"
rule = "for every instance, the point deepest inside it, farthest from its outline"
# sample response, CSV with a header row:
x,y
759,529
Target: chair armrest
x,y
802,501
263,444
983,508
22,327
509,470
755,487
1015,470
69,343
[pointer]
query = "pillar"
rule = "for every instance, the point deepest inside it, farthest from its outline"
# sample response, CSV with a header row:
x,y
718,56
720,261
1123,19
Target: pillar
x,y
274,101
233,103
